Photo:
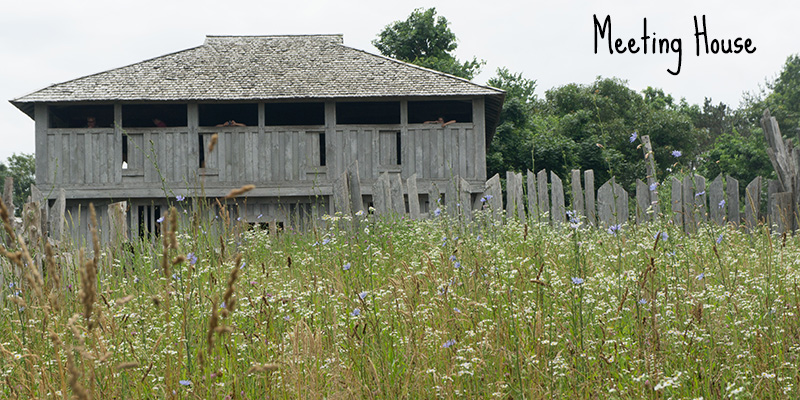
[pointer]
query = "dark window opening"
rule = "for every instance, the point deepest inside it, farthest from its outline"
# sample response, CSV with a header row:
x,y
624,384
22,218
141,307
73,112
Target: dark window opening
x,y
201,151
448,110
124,151
279,114
148,225
371,113
322,149
228,114
398,149
84,116
153,115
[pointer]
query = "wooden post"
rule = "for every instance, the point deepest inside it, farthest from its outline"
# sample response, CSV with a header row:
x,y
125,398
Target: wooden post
x,y
341,195
8,196
398,205
57,215
732,192
117,223
533,199
781,213
433,198
752,203
717,203
493,196
642,201
773,187
606,205
577,194
689,216
557,210
677,203
544,198
465,199
380,200
354,183
651,174
413,197
514,206
589,203
621,199
700,198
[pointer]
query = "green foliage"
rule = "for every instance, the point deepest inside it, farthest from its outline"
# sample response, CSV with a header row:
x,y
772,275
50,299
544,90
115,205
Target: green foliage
x,y
742,157
425,39
784,101
22,168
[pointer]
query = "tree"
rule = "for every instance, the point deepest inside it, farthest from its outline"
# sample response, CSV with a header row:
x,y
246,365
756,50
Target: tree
x,y
21,167
425,40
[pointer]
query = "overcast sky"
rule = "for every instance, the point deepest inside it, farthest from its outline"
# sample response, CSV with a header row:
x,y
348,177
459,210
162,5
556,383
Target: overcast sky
x,y
552,42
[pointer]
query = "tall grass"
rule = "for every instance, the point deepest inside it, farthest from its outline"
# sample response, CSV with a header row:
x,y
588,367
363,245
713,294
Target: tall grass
x,y
393,308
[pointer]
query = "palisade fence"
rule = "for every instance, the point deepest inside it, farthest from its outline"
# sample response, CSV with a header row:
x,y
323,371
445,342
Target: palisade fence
x,y
539,197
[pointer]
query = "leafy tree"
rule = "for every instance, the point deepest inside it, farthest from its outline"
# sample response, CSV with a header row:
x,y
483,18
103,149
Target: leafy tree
x,y
784,101
743,157
425,39
21,167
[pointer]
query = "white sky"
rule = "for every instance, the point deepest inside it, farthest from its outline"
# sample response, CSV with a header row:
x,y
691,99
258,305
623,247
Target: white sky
x,y
46,42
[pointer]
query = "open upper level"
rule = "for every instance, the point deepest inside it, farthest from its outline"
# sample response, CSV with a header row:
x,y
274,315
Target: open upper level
x,y
295,109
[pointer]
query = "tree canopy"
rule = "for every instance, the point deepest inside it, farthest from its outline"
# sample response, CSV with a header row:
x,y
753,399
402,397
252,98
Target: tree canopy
x,y
425,39
21,167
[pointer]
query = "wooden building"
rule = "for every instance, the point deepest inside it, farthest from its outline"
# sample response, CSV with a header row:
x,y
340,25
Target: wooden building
x,y
305,108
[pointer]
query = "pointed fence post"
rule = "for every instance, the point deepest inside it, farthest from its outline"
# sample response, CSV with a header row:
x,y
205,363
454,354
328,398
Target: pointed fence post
x,y
717,203
577,194
752,203
651,175
642,201
544,198
514,206
533,199
413,197
465,199
354,183
557,210
434,197
396,193
589,203
493,196
677,203
341,195
732,192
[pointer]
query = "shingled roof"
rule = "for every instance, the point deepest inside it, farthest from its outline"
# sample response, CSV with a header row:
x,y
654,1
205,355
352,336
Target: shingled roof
x,y
260,68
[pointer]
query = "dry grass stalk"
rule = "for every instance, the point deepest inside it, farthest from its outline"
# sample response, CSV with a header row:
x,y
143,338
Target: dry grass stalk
x,y
213,322
240,191
7,222
54,277
88,292
126,365
263,368
228,300
173,228
124,300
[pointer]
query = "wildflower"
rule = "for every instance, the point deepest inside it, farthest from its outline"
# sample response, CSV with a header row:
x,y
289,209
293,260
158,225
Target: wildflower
x,y
489,197
179,198
238,218
577,281
722,203
160,220
700,193
664,235
192,258
483,199
359,213
449,343
701,276
642,301
326,241
346,267
315,244
356,312
653,186
437,212
613,229
719,239
287,318
458,265
633,137
176,277
135,279
455,309
676,153
363,295
185,382
259,216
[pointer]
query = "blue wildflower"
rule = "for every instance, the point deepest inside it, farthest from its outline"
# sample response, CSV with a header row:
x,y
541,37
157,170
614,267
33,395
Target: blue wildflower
x,y
489,197
259,216
346,267
653,186
180,198
676,153
326,241
613,229
633,137
453,257
363,295
455,309
722,203
192,258
356,312
185,382
701,276
449,343
642,301
719,239
577,281
160,220
437,212
458,265
700,193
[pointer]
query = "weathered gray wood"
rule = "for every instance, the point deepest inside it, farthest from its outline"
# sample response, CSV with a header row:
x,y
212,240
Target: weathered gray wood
x,y
652,182
32,224
533,200
354,184
544,197
434,199
612,204
341,195
381,195
464,195
577,194
781,213
732,201
514,205
689,215
589,193
773,187
493,197
677,203
557,210
8,195
57,215
117,222
396,193
642,202
479,116
752,201
700,199
621,197
717,204
780,152
413,197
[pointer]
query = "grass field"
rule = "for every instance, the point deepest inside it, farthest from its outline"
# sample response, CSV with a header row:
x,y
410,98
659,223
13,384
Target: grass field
x,y
395,308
